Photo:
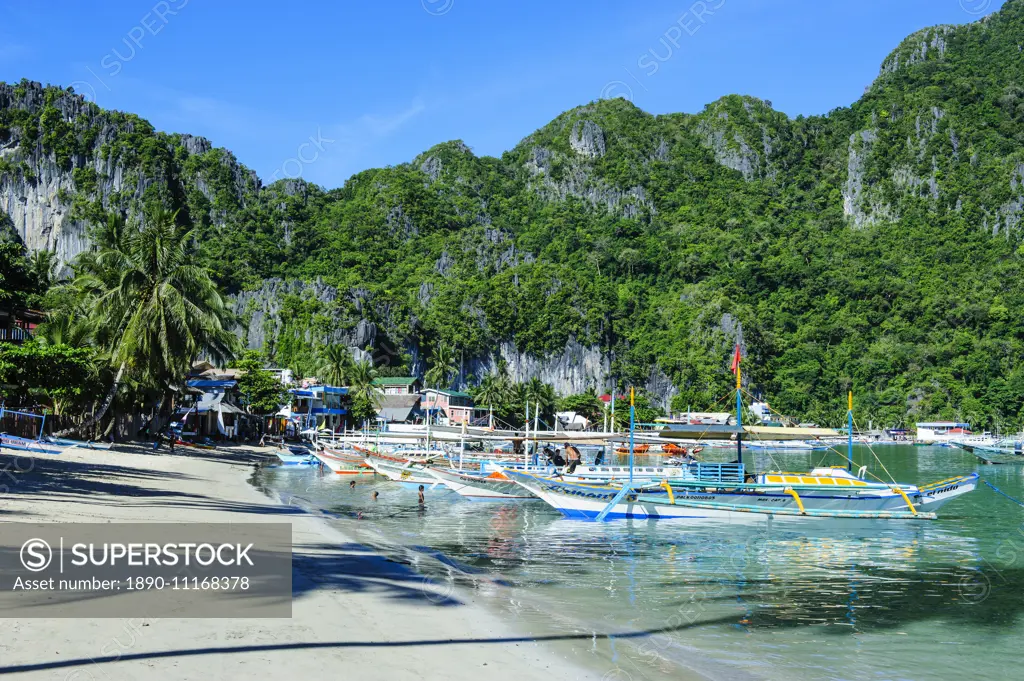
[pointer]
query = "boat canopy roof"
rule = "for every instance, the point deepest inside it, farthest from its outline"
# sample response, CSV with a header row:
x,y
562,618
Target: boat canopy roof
x,y
726,432
788,433
700,431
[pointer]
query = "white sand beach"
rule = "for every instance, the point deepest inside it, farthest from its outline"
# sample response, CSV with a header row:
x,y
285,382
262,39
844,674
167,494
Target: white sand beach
x,y
355,613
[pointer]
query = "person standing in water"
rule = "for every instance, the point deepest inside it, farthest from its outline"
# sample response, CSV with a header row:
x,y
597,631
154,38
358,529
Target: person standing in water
x,y
421,495
375,495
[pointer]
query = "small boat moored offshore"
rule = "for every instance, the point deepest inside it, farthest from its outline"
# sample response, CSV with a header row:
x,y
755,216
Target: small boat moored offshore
x,y
295,457
337,462
1000,453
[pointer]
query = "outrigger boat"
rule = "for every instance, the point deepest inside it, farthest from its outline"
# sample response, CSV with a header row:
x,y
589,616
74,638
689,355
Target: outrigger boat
x,y
23,444
406,472
784,445
83,444
727,491
490,481
495,486
352,463
822,493
995,454
295,457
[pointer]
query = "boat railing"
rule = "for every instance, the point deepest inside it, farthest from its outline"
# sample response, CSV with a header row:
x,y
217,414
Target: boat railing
x,y
713,472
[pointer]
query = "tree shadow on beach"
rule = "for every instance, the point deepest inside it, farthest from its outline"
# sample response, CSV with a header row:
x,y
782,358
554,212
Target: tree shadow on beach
x,y
357,568
343,645
54,478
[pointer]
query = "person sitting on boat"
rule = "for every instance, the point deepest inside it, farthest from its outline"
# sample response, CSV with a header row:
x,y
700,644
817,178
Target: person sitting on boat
x,y
555,458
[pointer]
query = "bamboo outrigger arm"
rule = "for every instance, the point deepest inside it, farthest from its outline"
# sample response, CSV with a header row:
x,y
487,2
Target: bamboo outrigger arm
x,y
796,497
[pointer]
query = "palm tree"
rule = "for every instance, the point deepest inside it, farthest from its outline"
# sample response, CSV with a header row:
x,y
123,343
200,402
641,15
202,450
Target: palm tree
x,y
360,381
43,267
539,392
365,396
493,389
153,308
335,363
442,368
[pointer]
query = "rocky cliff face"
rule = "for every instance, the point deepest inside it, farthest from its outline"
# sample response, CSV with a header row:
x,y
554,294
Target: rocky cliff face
x,y
64,162
264,322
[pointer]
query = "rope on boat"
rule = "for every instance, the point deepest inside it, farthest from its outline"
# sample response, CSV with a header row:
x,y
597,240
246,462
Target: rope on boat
x,y
999,491
877,458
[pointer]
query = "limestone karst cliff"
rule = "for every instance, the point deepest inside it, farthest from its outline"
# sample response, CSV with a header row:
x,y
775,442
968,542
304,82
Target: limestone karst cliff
x,y
874,246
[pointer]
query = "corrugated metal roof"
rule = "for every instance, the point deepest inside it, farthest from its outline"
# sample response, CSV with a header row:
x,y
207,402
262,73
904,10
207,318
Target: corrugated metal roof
x,y
395,380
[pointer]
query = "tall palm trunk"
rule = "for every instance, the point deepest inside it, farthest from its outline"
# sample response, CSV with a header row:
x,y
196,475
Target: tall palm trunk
x,y
104,406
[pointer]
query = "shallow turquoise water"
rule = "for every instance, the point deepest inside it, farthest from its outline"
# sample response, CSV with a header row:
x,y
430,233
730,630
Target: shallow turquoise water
x,y
883,600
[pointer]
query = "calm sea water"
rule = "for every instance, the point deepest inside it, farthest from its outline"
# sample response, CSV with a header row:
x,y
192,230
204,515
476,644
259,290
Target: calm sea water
x,y
929,600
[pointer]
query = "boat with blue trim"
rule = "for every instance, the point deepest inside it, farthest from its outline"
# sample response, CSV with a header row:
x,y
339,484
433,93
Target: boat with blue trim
x,y
24,444
824,492
295,456
728,491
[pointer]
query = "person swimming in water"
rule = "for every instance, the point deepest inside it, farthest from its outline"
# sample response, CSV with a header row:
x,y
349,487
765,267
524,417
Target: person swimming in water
x,y
375,495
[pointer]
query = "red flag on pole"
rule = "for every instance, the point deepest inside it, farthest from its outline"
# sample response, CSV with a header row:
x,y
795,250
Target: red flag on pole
x,y
736,359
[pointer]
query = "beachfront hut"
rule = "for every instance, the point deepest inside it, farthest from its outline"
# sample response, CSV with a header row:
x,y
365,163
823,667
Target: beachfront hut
x,y
455,406
16,326
210,409
570,420
398,385
317,407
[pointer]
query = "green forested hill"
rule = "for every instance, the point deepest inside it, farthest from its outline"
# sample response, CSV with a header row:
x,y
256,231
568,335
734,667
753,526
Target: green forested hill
x,y
873,249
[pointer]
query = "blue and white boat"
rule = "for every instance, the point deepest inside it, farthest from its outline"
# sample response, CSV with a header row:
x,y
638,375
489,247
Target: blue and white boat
x,y
296,456
40,445
728,491
23,444
822,493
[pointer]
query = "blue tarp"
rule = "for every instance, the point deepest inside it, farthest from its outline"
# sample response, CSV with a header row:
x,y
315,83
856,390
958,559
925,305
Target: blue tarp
x,y
331,390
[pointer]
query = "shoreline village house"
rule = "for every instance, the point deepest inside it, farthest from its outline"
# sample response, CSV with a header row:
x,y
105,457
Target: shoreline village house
x,y
286,376
210,409
16,326
453,405
398,385
942,431
318,406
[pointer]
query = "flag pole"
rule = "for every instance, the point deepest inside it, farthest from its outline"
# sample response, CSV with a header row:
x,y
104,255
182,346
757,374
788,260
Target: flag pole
x,y
739,416
736,360
632,424
849,432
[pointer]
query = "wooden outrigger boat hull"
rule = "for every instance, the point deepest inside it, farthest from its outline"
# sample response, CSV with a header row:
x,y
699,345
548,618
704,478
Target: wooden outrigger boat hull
x,y
343,465
695,499
84,444
25,445
407,473
993,455
295,459
494,487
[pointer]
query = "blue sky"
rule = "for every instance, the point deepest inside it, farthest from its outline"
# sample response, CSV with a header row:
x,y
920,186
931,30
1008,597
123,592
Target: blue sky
x,y
377,82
